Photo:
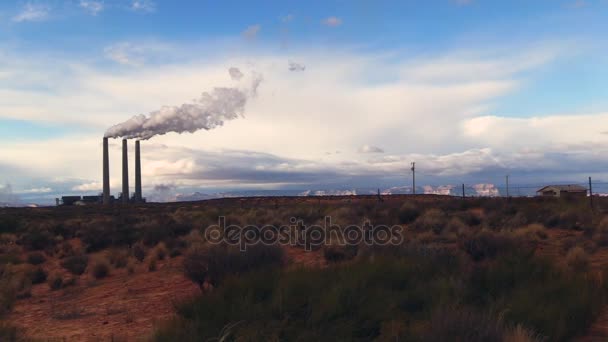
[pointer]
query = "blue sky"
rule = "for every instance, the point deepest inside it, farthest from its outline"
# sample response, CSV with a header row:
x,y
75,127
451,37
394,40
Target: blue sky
x,y
489,87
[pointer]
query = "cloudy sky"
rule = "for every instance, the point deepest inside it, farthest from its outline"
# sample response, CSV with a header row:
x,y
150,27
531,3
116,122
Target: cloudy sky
x,y
352,92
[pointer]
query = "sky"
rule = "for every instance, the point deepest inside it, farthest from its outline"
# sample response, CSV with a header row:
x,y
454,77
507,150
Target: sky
x,y
350,93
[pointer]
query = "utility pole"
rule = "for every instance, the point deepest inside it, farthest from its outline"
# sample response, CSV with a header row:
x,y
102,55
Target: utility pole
x,y
414,178
590,194
508,186
462,190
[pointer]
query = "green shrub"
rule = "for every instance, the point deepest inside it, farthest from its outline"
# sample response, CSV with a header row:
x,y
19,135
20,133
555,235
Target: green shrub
x,y
100,268
488,245
36,239
36,258
577,259
408,213
76,264
432,219
9,224
10,258
118,257
139,251
152,265
463,324
528,286
55,282
8,332
175,252
213,263
334,253
160,252
38,275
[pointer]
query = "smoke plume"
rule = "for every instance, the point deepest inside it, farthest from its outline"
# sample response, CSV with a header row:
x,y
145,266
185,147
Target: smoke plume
x,y
7,197
294,66
209,111
235,73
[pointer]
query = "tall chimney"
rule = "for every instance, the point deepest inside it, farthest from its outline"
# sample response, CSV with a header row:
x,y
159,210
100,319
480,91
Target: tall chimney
x,y
138,194
125,173
106,173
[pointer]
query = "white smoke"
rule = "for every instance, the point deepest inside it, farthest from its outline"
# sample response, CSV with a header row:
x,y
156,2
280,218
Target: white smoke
x,y
293,66
235,73
207,112
7,197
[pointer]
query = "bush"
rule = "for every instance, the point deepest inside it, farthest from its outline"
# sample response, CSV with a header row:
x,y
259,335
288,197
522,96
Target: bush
x,y
449,324
155,232
160,252
8,332
100,268
10,258
533,232
152,265
175,252
335,253
36,258
96,236
76,264
488,245
37,239
213,263
408,213
139,251
432,219
9,224
55,282
118,257
38,275
577,259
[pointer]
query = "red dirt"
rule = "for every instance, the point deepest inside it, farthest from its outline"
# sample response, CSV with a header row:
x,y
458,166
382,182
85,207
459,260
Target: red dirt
x,y
120,306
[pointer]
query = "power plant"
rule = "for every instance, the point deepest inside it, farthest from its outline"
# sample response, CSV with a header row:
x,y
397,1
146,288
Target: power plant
x,y
105,197
124,196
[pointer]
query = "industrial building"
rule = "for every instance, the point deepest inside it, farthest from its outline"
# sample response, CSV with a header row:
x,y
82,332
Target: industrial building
x,y
105,197
562,191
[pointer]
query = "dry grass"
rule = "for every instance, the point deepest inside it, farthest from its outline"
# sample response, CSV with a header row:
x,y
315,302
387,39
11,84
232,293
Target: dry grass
x,y
577,259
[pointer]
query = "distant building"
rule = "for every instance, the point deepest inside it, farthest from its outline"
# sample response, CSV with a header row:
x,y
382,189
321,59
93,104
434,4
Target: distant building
x,y
562,191
70,200
81,200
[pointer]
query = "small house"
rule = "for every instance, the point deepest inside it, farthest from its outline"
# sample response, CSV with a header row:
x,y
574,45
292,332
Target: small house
x,y
562,191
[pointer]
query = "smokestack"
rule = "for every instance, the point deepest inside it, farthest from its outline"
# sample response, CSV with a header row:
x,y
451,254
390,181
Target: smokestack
x,y
106,173
125,173
138,194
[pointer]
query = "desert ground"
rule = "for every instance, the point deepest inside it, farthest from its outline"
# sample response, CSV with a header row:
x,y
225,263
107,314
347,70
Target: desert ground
x,y
474,269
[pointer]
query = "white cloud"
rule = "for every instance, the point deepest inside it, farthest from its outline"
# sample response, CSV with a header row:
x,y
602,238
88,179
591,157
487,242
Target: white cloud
x,y
90,186
294,66
332,21
123,53
143,6
436,111
32,12
136,54
370,149
252,31
92,6
36,190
